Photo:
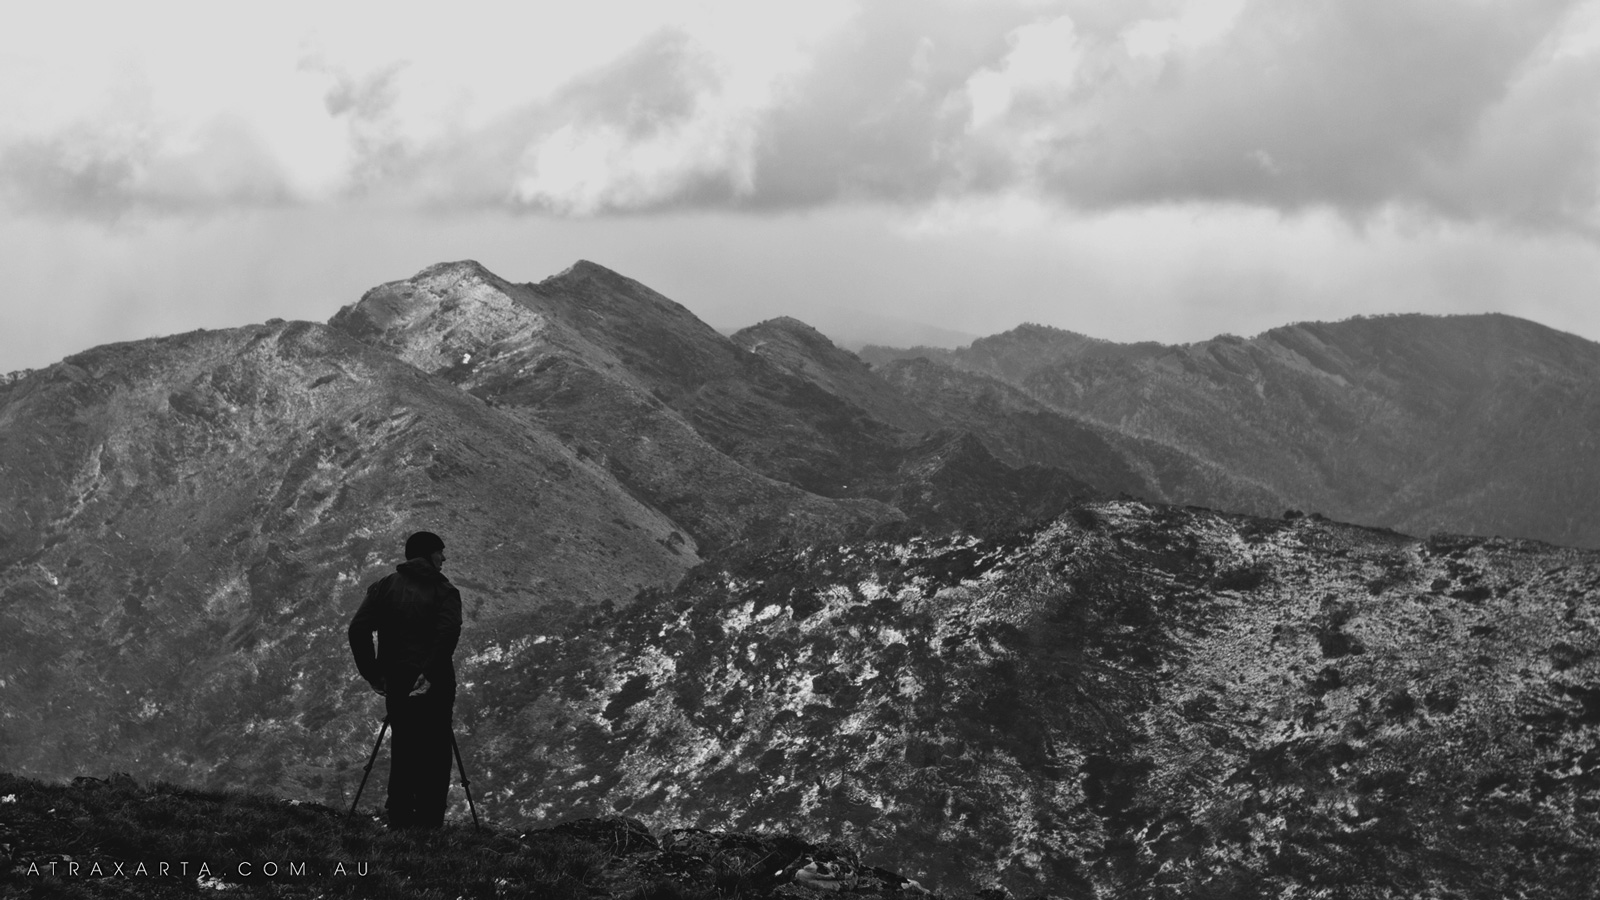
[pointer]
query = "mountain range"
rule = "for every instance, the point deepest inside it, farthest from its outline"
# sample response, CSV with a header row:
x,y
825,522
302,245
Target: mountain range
x,y
945,604
1481,424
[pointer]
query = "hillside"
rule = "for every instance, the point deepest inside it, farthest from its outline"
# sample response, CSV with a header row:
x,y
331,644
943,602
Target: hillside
x,y
1133,701
1473,424
562,367
1021,430
191,519
800,350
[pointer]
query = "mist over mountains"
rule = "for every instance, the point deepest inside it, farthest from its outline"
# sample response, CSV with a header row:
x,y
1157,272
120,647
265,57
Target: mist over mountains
x,y
943,604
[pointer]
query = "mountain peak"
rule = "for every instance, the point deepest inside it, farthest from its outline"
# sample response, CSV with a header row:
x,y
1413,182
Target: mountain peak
x,y
788,322
804,352
796,347
585,270
598,289
785,327
1042,336
439,298
460,266
587,267
1041,330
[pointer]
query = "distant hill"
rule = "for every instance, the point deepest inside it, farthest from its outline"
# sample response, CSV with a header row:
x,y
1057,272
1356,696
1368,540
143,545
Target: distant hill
x,y
854,328
796,348
1011,355
1024,431
1478,424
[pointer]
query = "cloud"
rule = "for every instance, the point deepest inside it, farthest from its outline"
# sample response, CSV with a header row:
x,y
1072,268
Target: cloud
x,y
659,125
1459,110
91,171
1471,110
880,114
366,104
1534,157
1352,106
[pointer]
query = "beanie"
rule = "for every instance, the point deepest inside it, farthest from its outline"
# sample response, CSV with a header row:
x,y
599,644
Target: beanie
x,y
423,543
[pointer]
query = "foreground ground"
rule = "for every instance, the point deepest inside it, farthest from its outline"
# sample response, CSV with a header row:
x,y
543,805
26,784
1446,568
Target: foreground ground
x,y
116,838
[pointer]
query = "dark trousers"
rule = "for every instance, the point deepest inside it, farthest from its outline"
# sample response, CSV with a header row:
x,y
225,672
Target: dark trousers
x,y
419,758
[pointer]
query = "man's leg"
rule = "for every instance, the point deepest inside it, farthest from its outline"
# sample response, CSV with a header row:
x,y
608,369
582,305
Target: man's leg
x,y
403,761
434,757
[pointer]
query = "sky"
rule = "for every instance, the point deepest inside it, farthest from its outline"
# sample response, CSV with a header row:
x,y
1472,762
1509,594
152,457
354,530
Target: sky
x,y
1127,169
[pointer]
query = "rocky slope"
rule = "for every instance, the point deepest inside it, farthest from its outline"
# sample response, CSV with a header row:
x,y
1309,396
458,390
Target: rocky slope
x,y
1478,424
562,365
190,520
800,350
773,433
1134,701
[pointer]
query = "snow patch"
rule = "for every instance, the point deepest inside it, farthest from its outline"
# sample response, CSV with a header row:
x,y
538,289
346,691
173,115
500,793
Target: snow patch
x,y
872,590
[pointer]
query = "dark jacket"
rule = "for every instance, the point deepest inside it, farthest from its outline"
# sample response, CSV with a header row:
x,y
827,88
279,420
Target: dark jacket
x,y
417,614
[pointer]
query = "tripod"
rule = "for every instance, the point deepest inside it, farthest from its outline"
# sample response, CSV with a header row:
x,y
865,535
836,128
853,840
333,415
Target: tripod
x,y
366,771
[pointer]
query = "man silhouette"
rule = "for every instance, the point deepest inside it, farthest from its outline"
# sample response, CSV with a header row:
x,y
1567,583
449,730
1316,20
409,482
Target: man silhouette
x,y
416,613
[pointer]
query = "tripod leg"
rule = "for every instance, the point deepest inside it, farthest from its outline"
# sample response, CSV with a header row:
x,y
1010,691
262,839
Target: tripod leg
x,y
367,769
465,784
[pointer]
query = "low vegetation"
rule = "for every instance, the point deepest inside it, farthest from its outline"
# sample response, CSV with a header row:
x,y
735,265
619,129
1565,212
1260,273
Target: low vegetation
x,y
97,838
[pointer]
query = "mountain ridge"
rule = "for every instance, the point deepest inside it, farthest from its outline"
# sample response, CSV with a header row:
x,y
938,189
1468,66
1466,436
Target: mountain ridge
x,y
808,435
748,582
517,349
1423,423
805,352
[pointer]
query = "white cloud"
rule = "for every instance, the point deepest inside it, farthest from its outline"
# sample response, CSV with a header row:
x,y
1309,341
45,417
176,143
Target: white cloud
x,y
1185,28
1295,105
662,122
340,98
1476,111
600,168
1044,56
